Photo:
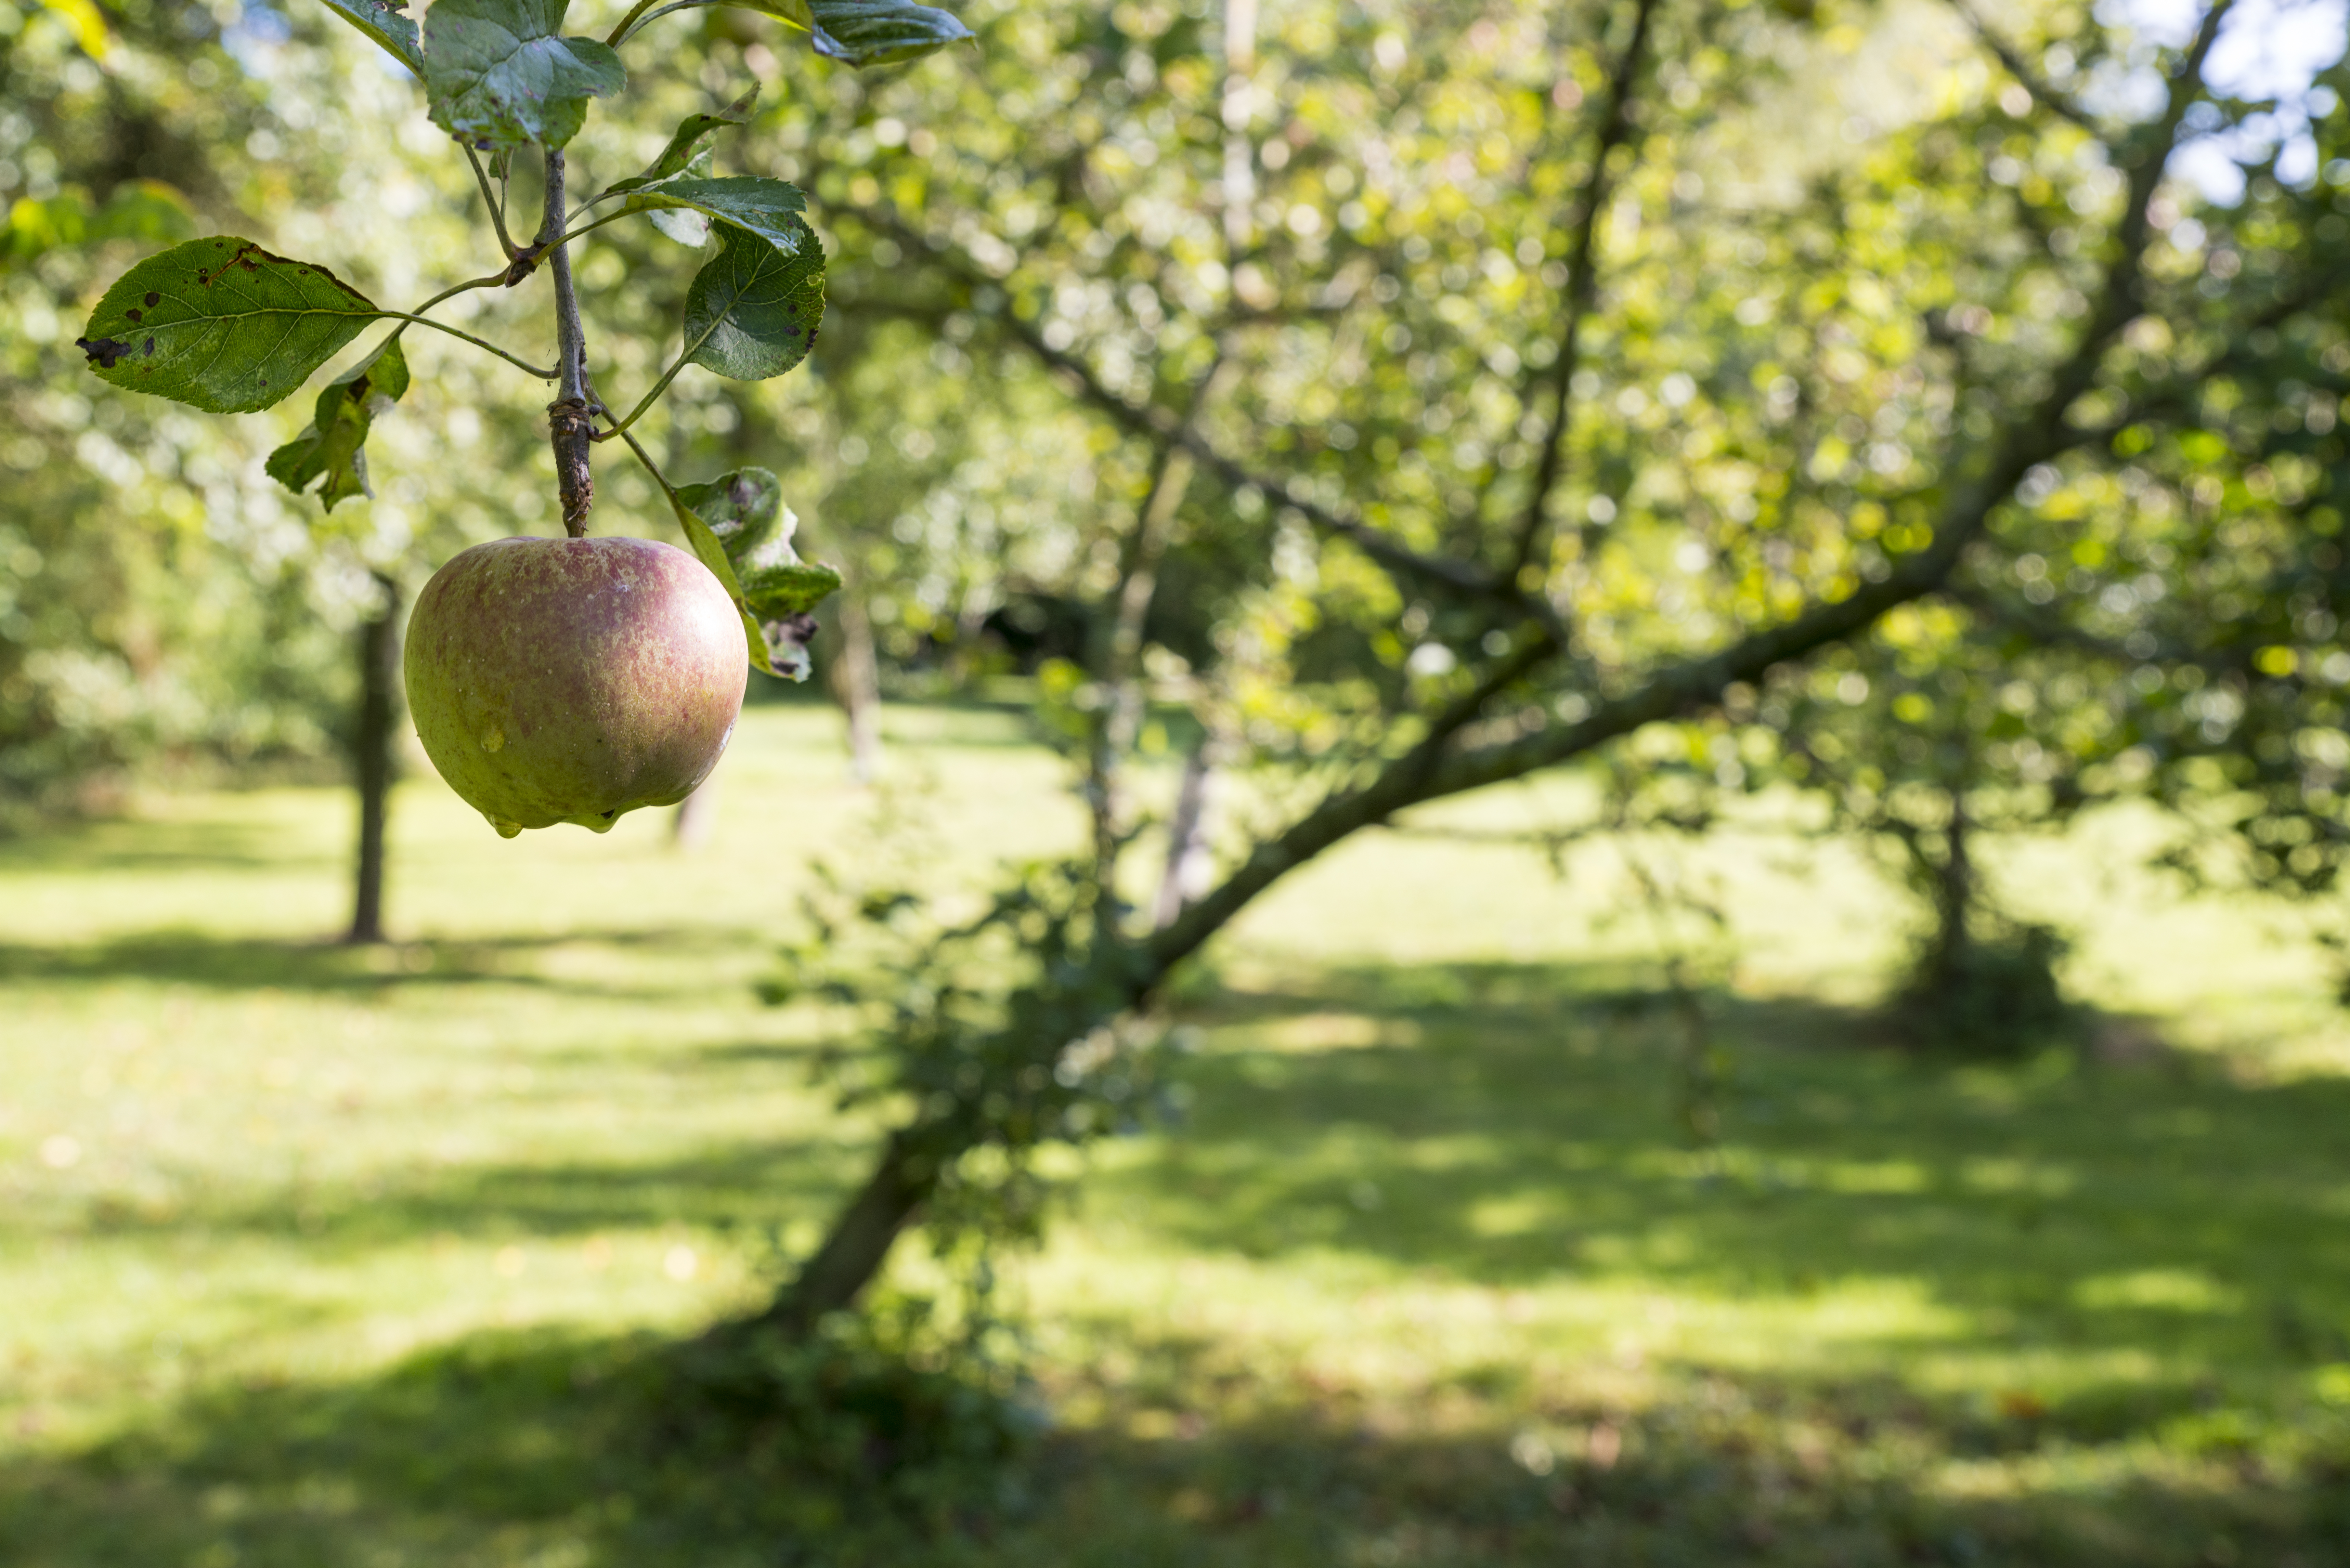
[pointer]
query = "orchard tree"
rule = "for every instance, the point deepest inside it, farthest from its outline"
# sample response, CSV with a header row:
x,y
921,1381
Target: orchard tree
x,y
1487,408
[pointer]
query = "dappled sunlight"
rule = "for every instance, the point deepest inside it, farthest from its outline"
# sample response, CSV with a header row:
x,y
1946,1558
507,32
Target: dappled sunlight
x,y
372,1239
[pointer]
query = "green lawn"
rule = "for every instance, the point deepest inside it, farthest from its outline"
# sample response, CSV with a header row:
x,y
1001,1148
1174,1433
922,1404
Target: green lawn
x,y
310,1256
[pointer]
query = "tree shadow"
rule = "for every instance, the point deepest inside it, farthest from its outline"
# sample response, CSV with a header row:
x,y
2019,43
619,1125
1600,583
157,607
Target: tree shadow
x,y
148,845
739,1187
208,961
1515,1126
548,1447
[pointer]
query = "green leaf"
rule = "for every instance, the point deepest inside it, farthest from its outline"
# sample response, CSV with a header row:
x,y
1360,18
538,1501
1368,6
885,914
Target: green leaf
x,y
335,444
381,21
498,76
868,32
768,208
223,325
692,143
753,313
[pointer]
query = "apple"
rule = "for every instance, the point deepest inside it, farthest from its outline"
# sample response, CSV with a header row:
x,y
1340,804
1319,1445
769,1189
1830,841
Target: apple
x,y
573,679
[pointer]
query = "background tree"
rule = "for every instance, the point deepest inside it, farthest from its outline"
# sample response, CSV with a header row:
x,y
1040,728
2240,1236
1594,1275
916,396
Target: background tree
x,y
1544,429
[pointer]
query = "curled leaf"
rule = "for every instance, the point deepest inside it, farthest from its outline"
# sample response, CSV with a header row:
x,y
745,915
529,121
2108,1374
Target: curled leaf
x,y
334,445
739,527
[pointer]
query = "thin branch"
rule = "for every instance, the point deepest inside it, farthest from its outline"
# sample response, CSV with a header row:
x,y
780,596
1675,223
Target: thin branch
x,y
1582,287
685,358
1117,641
492,281
523,365
526,258
1445,574
612,40
497,208
625,31
571,424
2022,70
646,458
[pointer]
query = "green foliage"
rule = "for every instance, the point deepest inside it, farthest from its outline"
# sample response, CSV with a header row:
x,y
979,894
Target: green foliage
x,y
903,1404
147,211
950,1012
499,75
222,325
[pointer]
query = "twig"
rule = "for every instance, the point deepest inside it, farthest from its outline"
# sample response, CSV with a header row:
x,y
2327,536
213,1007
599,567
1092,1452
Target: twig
x,y
523,365
570,424
625,31
612,40
497,208
620,427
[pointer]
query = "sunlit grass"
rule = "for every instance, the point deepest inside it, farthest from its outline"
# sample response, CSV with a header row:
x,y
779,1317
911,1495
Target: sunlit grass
x,y
309,1254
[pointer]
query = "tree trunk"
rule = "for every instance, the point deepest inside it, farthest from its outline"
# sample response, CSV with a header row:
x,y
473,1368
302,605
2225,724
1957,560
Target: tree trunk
x,y
697,815
1188,864
371,751
1953,900
860,1240
856,681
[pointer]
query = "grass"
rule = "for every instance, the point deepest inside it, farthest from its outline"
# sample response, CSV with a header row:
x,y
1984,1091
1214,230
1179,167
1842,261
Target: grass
x,y
309,1255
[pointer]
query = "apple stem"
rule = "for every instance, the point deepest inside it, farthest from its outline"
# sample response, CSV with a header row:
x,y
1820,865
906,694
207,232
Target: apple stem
x,y
569,418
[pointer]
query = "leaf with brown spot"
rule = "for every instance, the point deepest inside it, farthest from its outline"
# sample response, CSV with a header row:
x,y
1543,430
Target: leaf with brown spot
x,y
228,328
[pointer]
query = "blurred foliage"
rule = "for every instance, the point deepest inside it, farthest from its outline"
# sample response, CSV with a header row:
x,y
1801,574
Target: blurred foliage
x,y
1333,259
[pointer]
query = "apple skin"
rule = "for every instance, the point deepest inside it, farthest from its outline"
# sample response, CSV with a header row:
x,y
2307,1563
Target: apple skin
x,y
573,679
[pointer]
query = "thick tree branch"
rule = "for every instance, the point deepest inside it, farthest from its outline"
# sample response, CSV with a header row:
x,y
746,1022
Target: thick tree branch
x,y
1582,287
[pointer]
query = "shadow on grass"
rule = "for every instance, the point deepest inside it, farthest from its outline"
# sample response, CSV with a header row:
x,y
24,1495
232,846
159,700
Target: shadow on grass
x,y
151,846
738,1187
1510,1124
544,1448
212,963
2170,1238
